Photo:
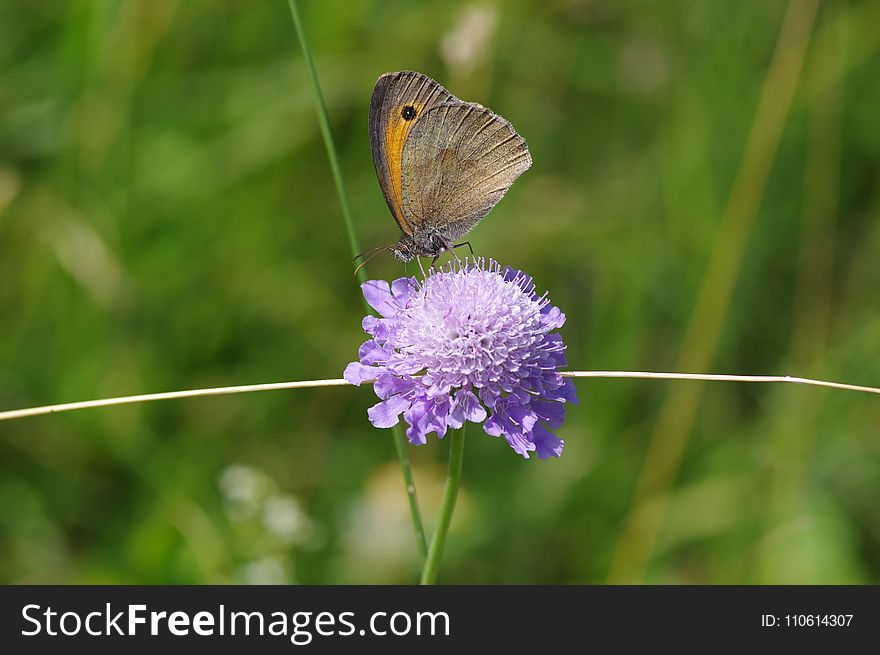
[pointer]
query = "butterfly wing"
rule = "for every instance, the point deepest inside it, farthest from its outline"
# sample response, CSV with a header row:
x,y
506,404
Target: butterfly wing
x,y
459,160
398,102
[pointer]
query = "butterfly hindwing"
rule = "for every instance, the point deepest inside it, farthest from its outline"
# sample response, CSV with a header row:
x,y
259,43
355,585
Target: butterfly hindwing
x,y
458,161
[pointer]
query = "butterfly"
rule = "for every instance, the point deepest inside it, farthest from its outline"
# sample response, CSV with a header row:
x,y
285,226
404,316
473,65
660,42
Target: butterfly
x,y
442,163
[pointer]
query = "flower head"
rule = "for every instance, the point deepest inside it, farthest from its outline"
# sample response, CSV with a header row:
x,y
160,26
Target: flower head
x,y
472,342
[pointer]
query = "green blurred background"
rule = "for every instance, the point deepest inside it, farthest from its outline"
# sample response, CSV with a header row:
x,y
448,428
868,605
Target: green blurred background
x,y
704,197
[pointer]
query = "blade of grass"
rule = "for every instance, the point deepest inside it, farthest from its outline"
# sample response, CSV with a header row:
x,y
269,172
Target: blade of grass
x,y
339,382
324,122
786,498
668,440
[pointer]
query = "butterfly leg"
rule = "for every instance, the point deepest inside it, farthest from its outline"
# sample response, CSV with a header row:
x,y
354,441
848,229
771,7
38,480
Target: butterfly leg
x,y
465,243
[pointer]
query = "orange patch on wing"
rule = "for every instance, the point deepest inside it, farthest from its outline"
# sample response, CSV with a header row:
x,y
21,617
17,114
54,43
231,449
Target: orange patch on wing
x,y
396,132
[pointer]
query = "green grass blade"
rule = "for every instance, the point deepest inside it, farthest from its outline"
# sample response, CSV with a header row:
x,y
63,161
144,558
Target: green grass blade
x,y
324,122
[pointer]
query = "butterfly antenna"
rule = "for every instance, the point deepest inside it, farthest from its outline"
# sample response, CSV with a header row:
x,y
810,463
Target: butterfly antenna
x,y
369,255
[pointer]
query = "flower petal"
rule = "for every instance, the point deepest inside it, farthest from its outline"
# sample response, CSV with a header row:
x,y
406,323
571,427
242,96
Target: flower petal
x,y
569,392
437,417
387,413
466,407
493,426
377,328
378,295
371,353
388,385
520,444
406,367
417,418
546,443
356,373
552,413
489,395
404,288
552,317
521,415
555,348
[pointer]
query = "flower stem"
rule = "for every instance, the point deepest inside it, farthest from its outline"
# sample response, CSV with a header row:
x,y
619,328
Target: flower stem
x,y
415,513
324,122
447,507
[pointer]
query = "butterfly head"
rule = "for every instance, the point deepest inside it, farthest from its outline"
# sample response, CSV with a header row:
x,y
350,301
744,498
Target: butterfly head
x,y
424,243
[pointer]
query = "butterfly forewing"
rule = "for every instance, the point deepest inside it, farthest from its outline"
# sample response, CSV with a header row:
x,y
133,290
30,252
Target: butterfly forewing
x,y
399,100
459,159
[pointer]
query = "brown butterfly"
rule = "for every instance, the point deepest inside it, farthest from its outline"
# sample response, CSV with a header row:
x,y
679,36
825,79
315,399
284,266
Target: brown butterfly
x,y
442,163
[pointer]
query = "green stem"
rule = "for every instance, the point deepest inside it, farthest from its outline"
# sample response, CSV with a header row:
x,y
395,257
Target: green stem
x,y
415,514
450,494
324,122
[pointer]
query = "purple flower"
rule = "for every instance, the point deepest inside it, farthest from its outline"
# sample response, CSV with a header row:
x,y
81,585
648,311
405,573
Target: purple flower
x,y
470,343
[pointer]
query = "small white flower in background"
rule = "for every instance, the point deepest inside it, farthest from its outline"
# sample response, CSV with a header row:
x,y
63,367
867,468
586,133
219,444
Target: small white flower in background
x,y
243,487
467,44
269,570
266,524
285,520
